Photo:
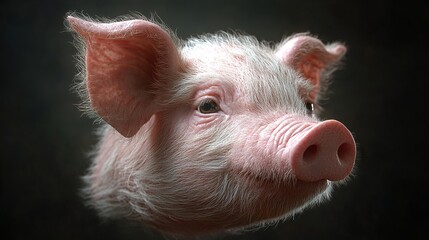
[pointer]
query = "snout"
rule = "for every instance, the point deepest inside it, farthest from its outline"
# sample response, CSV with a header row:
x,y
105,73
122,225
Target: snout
x,y
326,151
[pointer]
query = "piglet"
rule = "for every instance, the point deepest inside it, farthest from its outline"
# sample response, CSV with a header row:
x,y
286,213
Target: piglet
x,y
214,134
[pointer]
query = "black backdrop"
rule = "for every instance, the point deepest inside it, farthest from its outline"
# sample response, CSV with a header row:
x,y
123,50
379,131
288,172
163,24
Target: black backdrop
x,y
380,95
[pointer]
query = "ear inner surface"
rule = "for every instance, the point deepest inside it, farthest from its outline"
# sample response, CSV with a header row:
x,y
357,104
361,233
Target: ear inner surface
x,y
310,57
125,62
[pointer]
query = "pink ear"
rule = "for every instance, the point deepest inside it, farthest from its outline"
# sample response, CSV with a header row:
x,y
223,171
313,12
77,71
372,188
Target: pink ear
x,y
310,57
125,62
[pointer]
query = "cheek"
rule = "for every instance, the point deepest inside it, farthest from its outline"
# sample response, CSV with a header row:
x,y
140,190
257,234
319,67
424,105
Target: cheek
x,y
198,136
194,144
192,167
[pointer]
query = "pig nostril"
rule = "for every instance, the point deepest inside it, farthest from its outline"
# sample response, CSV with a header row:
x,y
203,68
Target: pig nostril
x,y
343,153
310,153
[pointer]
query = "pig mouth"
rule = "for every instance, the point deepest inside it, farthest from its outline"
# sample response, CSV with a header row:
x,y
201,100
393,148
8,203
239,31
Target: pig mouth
x,y
281,183
277,199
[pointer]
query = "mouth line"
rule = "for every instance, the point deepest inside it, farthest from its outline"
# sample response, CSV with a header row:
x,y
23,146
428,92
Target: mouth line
x,y
277,181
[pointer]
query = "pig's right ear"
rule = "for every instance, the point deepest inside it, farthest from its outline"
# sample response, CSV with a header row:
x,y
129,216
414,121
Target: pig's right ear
x,y
125,64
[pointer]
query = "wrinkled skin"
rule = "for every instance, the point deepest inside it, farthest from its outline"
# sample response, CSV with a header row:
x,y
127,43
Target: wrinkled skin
x,y
214,134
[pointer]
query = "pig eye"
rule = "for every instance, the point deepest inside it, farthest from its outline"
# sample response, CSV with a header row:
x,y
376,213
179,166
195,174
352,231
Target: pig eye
x,y
208,106
310,108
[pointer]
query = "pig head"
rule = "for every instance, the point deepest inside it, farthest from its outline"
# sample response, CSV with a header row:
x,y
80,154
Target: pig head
x,y
217,133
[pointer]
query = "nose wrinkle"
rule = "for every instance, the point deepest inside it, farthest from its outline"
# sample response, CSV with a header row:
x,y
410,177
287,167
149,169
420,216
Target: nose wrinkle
x,y
288,128
280,136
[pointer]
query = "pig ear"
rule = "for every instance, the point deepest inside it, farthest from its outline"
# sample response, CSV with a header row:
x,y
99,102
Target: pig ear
x,y
310,57
125,63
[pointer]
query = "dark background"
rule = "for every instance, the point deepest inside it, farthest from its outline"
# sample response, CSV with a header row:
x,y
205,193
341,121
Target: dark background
x,y
380,95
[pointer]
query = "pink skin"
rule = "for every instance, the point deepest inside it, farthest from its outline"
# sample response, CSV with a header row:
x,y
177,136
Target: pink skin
x,y
311,151
326,151
212,137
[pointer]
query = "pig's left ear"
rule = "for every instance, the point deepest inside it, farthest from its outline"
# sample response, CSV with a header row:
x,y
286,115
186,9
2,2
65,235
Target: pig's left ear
x,y
127,63
310,57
